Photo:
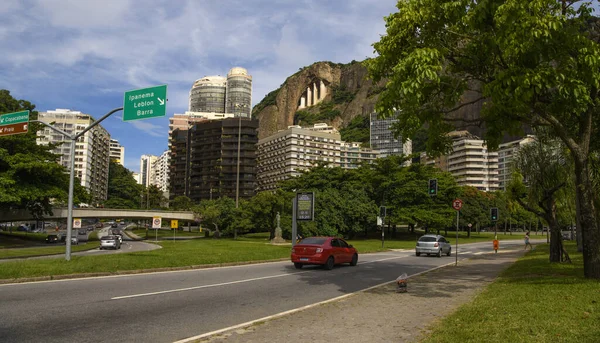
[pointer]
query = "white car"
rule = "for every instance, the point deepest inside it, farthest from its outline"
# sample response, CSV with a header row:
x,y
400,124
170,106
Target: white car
x,y
111,242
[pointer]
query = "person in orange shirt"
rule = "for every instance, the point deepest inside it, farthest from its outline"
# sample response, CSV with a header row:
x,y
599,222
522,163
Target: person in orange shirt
x,y
496,244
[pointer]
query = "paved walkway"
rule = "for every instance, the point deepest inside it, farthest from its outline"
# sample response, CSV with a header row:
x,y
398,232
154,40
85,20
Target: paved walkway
x,y
381,314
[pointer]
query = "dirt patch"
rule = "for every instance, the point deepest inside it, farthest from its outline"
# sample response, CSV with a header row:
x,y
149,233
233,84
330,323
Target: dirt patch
x,y
381,314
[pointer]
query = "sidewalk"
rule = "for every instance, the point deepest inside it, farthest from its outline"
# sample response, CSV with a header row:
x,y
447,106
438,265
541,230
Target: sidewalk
x,y
381,314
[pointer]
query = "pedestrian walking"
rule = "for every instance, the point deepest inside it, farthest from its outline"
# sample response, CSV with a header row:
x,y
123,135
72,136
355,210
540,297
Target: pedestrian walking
x,y
527,241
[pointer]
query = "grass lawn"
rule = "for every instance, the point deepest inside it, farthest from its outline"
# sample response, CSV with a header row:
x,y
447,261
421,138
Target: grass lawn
x,y
174,254
32,241
165,233
532,301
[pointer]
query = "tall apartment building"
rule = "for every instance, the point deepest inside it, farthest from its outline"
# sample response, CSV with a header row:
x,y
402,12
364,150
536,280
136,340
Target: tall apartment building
x,y
382,138
117,152
470,162
92,150
286,153
160,173
204,159
506,153
147,169
217,94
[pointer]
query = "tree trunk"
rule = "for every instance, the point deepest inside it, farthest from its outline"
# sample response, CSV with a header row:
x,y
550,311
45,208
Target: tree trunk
x,y
446,231
578,224
587,214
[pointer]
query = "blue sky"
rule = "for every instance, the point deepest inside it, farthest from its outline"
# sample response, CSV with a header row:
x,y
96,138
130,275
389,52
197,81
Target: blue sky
x,y
84,54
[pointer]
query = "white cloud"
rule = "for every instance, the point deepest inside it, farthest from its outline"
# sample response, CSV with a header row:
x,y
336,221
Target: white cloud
x,y
149,128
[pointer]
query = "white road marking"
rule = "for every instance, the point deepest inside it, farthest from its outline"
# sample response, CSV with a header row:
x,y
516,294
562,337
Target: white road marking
x,y
281,314
205,286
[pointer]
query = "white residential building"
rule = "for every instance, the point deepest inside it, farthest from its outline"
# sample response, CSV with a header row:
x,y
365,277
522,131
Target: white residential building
x,y
160,173
136,177
146,169
470,162
286,153
117,152
91,150
506,153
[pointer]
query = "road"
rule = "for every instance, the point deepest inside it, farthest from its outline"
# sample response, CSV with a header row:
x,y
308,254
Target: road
x,y
169,306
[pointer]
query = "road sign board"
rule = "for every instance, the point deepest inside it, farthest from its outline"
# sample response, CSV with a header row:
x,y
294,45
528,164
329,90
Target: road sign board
x,y
174,224
145,103
7,130
156,222
305,203
457,204
14,118
77,223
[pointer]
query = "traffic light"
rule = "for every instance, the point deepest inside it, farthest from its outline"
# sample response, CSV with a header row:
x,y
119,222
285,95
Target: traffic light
x,y
382,211
494,213
433,187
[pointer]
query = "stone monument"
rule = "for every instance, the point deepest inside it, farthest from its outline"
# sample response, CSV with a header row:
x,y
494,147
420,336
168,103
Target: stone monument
x,y
278,239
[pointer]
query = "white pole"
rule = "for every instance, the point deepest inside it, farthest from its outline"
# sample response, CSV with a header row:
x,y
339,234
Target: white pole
x,y
456,252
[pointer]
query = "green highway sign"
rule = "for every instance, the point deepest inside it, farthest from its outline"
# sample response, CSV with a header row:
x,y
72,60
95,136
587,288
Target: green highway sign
x,y
145,103
14,118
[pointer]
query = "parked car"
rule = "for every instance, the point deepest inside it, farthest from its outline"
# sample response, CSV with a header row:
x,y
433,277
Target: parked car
x,y
433,245
74,240
52,239
326,251
110,242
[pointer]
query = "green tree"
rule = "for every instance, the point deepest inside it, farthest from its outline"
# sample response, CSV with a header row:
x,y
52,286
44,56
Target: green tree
x,y
181,203
30,176
547,170
263,209
524,62
218,214
123,191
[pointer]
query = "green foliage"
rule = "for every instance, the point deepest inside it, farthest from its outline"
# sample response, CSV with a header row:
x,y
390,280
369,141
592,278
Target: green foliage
x,y
358,130
341,95
123,191
218,215
30,176
268,100
326,112
181,203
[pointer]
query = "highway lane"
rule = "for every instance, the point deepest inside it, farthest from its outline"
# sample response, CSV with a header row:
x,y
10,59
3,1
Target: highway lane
x,y
165,307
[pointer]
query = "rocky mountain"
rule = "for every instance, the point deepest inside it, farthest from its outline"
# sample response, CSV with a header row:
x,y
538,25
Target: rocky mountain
x,y
340,95
322,92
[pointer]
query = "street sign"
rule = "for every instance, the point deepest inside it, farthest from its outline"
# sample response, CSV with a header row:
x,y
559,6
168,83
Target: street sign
x,y
174,224
145,103
305,203
7,130
156,222
457,204
77,223
14,118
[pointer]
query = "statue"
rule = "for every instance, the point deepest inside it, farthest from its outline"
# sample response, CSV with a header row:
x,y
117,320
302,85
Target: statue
x,y
278,238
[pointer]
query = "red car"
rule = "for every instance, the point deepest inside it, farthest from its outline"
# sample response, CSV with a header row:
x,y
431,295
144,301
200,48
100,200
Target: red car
x,y
326,251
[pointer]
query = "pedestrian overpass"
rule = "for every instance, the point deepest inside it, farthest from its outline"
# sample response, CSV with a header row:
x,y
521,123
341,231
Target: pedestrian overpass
x,y
100,213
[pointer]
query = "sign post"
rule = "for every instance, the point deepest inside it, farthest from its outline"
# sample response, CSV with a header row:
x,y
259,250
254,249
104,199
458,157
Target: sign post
x,y
14,123
156,224
457,205
145,103
303,208
77,223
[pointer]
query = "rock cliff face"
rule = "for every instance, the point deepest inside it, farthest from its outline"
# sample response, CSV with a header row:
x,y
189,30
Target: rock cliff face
x,y
348,91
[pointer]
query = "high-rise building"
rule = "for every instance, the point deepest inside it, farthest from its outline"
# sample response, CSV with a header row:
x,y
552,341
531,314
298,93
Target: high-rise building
x,y
239,92
382,138
204,159
92,150
217,94
146,169
208,94
117,152
470,162
506,153
286,153
136,177
160,173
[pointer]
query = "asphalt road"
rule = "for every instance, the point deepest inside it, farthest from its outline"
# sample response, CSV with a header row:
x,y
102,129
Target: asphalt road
x,y
169,306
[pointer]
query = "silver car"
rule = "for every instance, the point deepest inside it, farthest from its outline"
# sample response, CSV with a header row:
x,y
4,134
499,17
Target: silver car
x,y
110,242
433,245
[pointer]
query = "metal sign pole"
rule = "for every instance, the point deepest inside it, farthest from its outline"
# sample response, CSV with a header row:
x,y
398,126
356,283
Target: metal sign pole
x,y
456,253
294,228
